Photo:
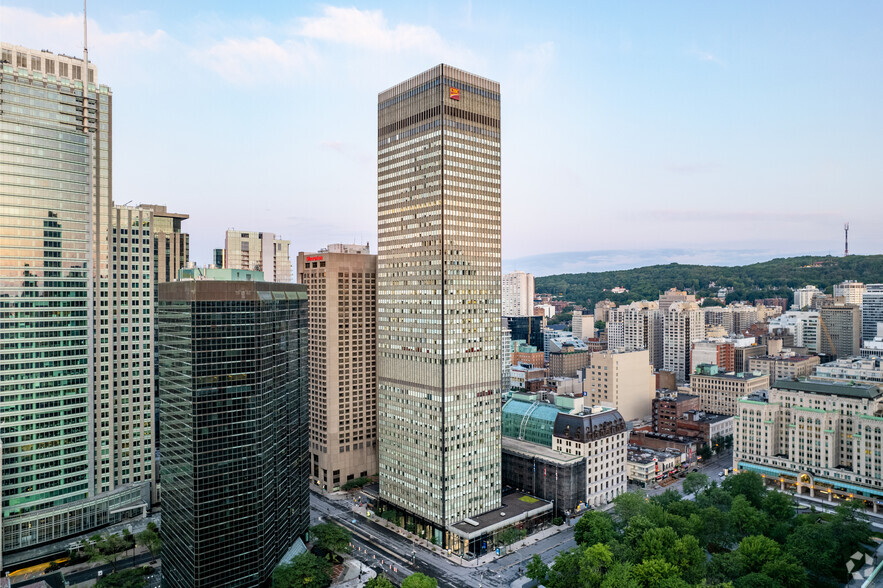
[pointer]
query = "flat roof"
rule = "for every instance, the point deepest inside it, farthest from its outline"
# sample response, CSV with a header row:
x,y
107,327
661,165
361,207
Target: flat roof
x,y
528,449
851,390
742,376
792,359
516,506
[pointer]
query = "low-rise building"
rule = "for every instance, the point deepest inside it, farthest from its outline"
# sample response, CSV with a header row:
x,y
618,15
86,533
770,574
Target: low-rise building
x,y
646,466
668,408
717,351
599,434
719,393
705,427
868,370
545,473
525,353
784,366
820,438
568,361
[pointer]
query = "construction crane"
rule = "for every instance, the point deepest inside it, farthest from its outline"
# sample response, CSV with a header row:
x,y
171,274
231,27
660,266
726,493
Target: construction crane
x,y
827,336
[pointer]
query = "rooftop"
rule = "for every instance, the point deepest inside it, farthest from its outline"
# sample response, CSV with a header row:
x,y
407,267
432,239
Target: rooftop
x,y
528,449
786,359
517,506
851,390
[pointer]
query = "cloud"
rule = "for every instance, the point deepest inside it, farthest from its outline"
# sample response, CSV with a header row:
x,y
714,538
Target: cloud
x,y
707,57
369,29
26,27
245,61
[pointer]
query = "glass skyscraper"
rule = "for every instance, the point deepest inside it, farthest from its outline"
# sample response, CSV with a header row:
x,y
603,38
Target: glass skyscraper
x,y
54,174
235,426
438,300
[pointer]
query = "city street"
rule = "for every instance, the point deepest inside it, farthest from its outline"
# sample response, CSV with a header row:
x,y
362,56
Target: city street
x,y
374,543
711,468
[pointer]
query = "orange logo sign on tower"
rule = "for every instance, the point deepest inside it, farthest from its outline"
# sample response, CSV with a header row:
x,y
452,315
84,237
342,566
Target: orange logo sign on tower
x,y
455,94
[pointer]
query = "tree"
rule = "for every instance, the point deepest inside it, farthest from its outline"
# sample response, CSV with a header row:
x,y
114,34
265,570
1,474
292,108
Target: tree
x,y
755,580
419,580
695,482
689,558
593,527
704,452
305,570
786,571
657,543
778,506
656,573
748,484
628,505
619,576
150,540
131,578
667,498
814,547
746,519
756,551
510,535
537,570
379,581
565,572
600,325
331,537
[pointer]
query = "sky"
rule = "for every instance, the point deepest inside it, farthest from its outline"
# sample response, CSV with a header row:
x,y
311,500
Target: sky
x,y
632,132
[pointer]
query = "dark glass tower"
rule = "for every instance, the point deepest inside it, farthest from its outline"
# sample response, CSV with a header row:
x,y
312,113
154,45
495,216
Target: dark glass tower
x,y
235,423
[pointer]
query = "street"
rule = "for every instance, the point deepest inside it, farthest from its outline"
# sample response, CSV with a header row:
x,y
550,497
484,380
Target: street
x,y
92,573
710,467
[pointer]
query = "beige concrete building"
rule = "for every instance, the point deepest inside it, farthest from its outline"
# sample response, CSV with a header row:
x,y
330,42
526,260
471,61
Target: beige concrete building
x,y
719,393
438,300
637,326
785,366
599,434
851,291
582,325
623,380
602,310
840,329
818,438
250,250
518,293
171,247
683,323
673,295
342,292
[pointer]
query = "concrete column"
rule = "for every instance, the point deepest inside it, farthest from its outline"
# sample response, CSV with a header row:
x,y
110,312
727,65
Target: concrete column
x,y
875,506
781,485
830,496
812,492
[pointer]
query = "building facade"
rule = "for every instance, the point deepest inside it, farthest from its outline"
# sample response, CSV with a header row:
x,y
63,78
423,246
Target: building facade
x,y
872,311
251,250
235,425
719,393
599,435
840,329
668,408
638,326
526,328
621,379
803,325
439,303
545,473
78,362
806,298
683,324
582,325
720,352
818,438
851,291
518,294
865,370
341,287
785,366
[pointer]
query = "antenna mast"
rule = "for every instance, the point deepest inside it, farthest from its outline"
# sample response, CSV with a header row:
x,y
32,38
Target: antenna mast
x,y
845,239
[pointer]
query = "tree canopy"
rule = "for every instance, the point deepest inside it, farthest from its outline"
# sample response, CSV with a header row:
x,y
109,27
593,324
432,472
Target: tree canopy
x,y
739,533
419,580
306,570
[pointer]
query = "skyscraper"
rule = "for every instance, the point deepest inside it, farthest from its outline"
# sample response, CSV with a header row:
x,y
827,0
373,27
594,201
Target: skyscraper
x,y
438,308
637,326
233,373
518,293
263,252
78,291
341,283
684,323
872,311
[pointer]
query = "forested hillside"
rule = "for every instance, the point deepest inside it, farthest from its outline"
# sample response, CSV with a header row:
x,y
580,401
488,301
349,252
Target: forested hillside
x,y
777,277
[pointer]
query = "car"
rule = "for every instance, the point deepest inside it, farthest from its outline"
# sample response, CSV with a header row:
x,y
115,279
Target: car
x,y
720,474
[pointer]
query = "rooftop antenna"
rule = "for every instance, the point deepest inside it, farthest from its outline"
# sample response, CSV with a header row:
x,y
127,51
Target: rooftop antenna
x,y
845,239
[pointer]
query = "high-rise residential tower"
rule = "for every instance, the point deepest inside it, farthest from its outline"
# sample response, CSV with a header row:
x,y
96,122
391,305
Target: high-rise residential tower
x,y
683,324
518,293
872,311
438,307
341,282
76,294
250,250
235,425
637,326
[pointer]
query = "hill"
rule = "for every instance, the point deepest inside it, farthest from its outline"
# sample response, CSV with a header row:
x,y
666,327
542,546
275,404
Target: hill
x,y
777,277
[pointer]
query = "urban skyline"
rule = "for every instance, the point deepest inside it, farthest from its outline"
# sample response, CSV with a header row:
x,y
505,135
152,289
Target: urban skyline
x,y
679,106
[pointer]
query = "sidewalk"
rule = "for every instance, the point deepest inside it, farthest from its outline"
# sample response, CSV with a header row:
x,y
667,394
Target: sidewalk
x,y
346,498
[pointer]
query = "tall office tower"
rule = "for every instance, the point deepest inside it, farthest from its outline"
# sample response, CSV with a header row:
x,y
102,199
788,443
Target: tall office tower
x,y
872,311
851,291
341,286
805,298
235,425
248,250
840,329
602,310
56,272
438,307
683,324
518,293
637,326
671,296
171,247
505,356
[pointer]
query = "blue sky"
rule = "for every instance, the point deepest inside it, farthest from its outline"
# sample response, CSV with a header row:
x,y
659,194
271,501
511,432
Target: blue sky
x,y
654,127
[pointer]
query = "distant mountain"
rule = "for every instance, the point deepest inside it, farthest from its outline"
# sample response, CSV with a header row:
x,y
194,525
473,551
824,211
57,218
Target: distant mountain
x,y
777,277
